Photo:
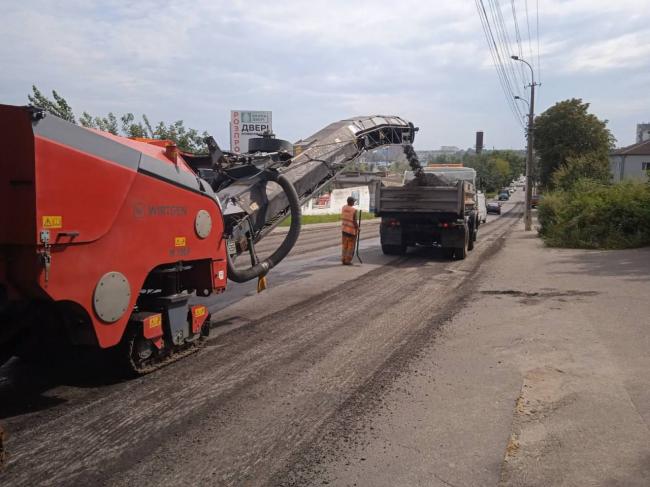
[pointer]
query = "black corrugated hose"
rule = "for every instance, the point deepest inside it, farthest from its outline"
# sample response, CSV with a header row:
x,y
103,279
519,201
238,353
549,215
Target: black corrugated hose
x,y
262,268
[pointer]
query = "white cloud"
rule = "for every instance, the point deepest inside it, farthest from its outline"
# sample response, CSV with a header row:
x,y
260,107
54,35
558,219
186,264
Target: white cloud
x,y
310,62
626,51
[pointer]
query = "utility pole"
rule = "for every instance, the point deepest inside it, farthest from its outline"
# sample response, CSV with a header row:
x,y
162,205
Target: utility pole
x,y
528,218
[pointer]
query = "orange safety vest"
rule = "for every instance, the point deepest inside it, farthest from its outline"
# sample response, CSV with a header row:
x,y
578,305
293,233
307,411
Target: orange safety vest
x,y
347,220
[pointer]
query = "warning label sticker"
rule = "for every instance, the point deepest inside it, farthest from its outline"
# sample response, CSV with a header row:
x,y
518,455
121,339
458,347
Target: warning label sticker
x,y
155,321
53,221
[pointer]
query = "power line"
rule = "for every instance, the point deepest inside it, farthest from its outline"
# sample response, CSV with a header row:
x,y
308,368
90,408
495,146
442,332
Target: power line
x,y
518,38
506,45
500,41
539,68
498,62
530,48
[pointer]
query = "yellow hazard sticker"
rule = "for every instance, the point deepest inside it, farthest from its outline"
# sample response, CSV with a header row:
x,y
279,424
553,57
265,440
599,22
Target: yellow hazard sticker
x,y
155,321
199,311
52,221
180,241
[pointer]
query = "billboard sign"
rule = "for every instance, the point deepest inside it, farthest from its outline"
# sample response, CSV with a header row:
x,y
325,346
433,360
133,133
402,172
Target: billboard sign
x,y
245,125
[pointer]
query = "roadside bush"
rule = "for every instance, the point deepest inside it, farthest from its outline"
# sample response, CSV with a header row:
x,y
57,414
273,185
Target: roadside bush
x,y
589,166
592,215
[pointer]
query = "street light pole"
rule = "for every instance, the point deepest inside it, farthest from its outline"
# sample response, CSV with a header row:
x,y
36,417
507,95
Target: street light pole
x,y
528,219
522,99
519,98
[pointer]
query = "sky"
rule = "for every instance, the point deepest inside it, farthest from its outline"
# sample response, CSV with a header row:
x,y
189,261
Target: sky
x,y
313,63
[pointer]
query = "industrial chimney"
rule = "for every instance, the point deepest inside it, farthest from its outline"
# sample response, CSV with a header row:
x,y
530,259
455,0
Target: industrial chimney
x,y
479,142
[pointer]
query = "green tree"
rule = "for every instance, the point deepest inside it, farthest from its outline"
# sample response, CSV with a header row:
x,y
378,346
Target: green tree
x,y
495,169
59,106
188,140
105,124
501,170
136,129
568,130
589,166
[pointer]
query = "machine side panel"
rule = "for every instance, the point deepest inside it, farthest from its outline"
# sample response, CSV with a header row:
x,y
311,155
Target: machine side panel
x,y
154,226
77,192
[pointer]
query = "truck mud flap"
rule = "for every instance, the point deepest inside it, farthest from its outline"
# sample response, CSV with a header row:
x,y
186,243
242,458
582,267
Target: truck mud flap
x,y
391,236
452,238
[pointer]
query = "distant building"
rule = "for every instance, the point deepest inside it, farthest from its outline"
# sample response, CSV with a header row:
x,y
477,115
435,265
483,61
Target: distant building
x,y
362,186
331,203
642,132
632,162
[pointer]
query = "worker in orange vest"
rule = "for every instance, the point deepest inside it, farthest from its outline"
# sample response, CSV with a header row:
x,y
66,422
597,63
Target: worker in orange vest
x,y
350,229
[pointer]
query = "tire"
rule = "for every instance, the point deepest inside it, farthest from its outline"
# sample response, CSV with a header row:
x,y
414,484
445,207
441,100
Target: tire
x,y
473,232
393,249
461,252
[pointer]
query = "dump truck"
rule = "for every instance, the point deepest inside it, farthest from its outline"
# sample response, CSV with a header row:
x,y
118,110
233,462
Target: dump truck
x,y
435,206
108,242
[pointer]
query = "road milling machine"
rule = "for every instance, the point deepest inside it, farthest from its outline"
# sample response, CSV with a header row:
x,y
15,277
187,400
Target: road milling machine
x,y
105,241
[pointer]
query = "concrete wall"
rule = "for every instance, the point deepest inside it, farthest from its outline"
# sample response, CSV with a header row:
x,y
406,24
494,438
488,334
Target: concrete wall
x,y
628,167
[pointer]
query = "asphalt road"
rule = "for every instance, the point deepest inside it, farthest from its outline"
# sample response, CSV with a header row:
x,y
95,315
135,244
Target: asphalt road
x,y
317,348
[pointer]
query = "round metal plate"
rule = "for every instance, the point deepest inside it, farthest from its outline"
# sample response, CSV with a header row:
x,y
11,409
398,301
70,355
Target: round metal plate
x,y
203,224
112,296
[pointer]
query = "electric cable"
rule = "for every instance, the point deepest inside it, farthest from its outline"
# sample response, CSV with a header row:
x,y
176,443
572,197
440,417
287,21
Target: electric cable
x,y
489,37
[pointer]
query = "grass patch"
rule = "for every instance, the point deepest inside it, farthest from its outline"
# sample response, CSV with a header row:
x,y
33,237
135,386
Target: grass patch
x,y
592,215
309,219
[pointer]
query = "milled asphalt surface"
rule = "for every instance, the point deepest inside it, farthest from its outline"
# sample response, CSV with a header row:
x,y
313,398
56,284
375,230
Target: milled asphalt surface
x,y
317,349
520,366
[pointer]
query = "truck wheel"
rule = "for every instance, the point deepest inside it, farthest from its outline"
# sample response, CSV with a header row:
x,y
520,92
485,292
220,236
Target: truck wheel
x,y
473,231
461,252
393,249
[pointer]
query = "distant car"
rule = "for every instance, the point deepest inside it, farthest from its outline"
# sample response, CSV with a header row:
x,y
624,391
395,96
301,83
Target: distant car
x,y
504,196
535,199
494,207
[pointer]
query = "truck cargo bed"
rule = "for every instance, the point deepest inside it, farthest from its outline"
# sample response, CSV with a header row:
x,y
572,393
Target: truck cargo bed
x,y
425,199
